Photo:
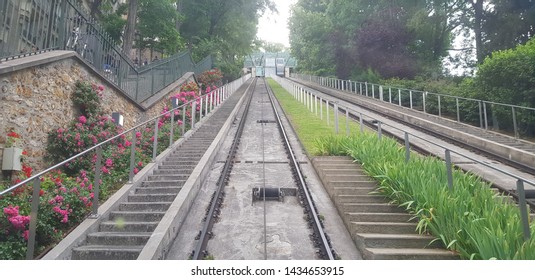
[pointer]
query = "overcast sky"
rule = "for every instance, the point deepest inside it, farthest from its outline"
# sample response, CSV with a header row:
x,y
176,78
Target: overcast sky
x,y
274,27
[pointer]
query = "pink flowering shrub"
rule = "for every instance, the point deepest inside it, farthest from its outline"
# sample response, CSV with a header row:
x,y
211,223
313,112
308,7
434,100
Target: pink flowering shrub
x,y
211,78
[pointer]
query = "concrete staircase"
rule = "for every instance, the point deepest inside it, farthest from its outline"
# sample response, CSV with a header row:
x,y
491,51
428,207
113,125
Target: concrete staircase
x,y
379,229
131,225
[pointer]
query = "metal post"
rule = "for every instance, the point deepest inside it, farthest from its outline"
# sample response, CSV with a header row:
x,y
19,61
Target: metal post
x,y
316,104
96,184
423,99
327,108
480,115
399,97
523,209
373,91
336,117
449,169
183,119
347,122
206,105
132,157
514,122
381,93
366,84
457,105
379,131
439,109
410,97
407,147
200,108
389,95
321,108
193,112
171,128
360,85
33,218
361,123
155,141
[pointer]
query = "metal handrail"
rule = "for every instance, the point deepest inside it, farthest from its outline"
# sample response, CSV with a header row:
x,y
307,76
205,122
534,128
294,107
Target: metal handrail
x,y
363,89
296,89
35,25
208,102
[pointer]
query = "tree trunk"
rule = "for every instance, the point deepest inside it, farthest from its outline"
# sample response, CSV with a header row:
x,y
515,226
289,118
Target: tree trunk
x,y
180,10
478,20
95,8
130,27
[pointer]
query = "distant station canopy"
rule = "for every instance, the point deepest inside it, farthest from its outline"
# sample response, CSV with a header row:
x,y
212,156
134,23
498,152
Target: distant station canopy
x,y
269,64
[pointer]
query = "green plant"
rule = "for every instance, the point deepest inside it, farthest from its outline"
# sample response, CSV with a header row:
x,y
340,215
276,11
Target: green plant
x,y
86,97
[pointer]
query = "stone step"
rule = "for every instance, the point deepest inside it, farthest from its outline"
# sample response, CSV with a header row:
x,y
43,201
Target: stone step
x,y
173,171
409,254
176,166
355,184
382,227
381,240
158,190
371,208
353,190
169,177
378,217
118,238
347,198
151,197
144,206
180,162
343,171
128,226
106,252
335,165
139,216
163,183
352,178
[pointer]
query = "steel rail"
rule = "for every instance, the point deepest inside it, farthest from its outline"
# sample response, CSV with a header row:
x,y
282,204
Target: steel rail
x,y
324,245
200,251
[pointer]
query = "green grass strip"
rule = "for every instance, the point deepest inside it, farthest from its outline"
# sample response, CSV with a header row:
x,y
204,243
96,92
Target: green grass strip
x,y
309,126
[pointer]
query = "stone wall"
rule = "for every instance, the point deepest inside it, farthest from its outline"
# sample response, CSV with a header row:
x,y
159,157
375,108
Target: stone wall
x,y
35,98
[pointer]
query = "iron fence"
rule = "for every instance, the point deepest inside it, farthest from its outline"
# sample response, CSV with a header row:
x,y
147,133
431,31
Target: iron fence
x,y
31,26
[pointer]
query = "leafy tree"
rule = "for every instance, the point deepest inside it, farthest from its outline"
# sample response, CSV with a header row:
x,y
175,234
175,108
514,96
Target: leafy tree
x,y
157,26
508,76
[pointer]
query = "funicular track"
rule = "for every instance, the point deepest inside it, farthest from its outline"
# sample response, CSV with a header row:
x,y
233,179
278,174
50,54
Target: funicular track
x,y
319,238
368,105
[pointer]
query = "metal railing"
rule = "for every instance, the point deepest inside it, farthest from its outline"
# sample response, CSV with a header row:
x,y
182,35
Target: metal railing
x,y
518,121
197,109
312,100
31,26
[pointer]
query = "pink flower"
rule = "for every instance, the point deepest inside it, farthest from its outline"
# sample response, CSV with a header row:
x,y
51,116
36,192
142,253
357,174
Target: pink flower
x,y
140,164
127,143
109,162
65,219
11,211
105,170
26,234
82,119
19,222
58,198
100,87
138,134
136,170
